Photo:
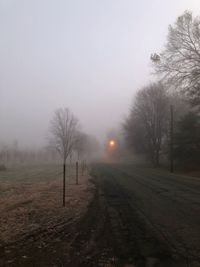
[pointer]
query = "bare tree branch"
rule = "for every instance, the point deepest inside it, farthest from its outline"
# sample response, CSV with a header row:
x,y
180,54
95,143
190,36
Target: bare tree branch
x,y
146,124
63,132
179,63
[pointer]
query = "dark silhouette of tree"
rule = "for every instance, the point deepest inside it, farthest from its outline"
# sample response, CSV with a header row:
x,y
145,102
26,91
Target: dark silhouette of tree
x,y
63,136
179,62
187,140
146,125
80,145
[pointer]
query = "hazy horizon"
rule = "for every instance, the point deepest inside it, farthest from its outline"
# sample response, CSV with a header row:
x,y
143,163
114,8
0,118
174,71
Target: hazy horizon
x,y
89,56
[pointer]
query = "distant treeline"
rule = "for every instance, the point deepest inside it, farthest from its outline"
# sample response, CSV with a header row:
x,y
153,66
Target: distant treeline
x,y
85,148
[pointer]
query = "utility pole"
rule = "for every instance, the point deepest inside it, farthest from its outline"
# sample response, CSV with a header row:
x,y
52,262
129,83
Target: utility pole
x,y
171,138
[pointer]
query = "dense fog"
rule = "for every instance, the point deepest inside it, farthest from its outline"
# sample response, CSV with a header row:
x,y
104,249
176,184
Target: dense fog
x,y
89,56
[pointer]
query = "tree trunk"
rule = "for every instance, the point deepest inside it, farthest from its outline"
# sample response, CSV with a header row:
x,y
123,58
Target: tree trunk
x,y
70,158
157,157
64,182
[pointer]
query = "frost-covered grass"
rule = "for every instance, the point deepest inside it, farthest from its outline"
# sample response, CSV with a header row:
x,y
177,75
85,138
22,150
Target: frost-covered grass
x,y
31,198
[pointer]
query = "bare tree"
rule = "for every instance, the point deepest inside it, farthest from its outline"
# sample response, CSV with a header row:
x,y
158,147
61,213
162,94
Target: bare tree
x,y
146,125
80,145
179,63
63,135
86,147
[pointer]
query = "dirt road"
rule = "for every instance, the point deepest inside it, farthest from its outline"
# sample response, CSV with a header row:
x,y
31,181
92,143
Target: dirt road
x,y
154,216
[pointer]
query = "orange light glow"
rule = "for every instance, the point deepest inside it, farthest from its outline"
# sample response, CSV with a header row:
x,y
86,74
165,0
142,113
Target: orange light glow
x,y
111,143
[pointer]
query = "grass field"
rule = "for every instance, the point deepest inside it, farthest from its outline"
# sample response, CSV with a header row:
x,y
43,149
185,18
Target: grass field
x,y
31,199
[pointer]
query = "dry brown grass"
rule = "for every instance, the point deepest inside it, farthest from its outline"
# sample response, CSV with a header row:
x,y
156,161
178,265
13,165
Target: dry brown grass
x,y
31,200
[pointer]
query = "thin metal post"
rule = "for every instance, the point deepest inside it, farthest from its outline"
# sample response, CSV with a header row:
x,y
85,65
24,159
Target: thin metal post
x,y
77,172
64,180
171,138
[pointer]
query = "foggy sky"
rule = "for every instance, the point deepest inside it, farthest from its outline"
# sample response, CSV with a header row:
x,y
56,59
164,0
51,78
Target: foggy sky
x,y
88,55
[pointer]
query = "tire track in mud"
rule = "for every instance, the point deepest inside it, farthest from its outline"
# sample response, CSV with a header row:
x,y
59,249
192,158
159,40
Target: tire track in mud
x,y
92,246
183,250
136,236
169,180
132,243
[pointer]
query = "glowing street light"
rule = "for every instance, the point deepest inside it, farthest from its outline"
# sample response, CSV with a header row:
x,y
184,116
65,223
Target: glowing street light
x,y
112,143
